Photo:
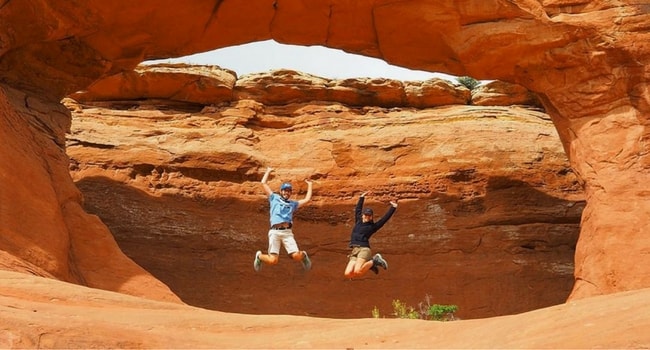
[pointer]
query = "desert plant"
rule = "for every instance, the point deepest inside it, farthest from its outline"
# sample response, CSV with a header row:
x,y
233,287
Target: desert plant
x,y
401,310
437,312
375,312
426,311
468,82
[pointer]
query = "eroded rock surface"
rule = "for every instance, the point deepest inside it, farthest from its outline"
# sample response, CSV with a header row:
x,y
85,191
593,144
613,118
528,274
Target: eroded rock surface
x,y
180,190
587,61
54,237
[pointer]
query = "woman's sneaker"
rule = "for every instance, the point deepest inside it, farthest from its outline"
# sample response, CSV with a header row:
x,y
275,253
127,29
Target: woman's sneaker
x,y
379,261
306,262
257,263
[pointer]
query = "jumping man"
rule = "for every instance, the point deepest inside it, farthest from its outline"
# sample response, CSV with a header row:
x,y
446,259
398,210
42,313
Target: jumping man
x,y
281,217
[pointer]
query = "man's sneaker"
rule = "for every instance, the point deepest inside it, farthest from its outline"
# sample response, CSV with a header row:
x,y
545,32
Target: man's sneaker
x,y
380,261
374,269
257,263
306,262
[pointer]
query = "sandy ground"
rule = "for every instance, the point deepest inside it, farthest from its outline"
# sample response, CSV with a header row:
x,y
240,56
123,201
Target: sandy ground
x,y
42,313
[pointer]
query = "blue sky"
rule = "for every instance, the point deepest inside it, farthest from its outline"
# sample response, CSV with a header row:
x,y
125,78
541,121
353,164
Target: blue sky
x,y
324,62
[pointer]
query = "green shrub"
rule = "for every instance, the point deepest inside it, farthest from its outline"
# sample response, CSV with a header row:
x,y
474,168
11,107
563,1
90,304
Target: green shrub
x,y
468,82
439,312
426,311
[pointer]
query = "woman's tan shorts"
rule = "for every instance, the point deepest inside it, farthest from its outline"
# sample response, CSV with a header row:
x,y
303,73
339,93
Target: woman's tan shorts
x,y
360,252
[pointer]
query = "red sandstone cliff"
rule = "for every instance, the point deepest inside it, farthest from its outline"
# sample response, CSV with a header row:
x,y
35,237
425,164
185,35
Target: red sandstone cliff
x,y
489,204
586,61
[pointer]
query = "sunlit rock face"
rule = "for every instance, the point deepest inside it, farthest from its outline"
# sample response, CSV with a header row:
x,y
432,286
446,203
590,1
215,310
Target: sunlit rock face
x,y
45,230
488,202
586,62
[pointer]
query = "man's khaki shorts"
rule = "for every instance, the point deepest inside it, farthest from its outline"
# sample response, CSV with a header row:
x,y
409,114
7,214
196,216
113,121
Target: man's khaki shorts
x,y
360,252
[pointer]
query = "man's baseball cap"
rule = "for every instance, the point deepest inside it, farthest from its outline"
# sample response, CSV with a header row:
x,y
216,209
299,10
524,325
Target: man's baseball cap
x,y
367,211
286,186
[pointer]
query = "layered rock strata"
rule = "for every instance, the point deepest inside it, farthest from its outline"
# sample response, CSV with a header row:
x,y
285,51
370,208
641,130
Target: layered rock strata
x,y
488,203
586,61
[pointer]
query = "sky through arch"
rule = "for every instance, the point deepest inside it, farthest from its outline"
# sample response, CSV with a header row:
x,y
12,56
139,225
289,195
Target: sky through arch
x,y
321,61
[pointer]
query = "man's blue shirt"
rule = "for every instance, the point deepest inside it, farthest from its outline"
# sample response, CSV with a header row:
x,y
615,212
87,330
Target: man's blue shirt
x,y
281,209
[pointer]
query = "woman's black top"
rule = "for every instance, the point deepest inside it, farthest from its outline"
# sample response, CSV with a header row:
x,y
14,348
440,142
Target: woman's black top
x,y
362,231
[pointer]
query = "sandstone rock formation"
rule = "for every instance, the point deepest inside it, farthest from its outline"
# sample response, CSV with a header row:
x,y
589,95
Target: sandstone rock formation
x,y
45,230
586,61
178,185
498,93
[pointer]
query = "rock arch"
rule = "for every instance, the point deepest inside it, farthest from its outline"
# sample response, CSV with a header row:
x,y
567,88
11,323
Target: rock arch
x,y
587,60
